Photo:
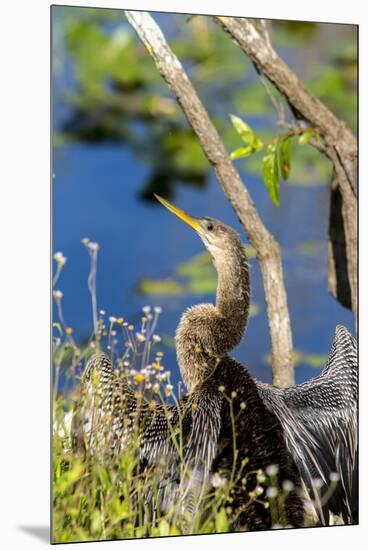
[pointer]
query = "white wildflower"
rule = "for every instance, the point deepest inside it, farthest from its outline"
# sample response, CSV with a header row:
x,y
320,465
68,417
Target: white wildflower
x,y
272,470
57,294
156,388
317,483
169,388
93,247
156,338
157,310
146,309
261,478
288,485
272,492
85,241
140,337
334,477
217,480
60,258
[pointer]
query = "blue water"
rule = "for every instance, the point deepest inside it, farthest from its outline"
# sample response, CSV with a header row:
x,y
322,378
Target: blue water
x,y
96,195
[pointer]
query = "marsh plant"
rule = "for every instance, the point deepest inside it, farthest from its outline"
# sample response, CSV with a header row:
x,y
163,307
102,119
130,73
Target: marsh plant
x,y
112,495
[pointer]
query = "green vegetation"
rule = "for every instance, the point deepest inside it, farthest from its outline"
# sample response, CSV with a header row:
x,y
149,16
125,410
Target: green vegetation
x,y
118,95
101,495
277,160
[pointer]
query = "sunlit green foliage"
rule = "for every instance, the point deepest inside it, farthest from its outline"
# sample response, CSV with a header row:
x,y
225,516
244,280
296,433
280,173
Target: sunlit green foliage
x,y
276,161
117,93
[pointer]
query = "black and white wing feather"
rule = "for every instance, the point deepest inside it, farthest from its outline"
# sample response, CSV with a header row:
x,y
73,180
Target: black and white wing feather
x,y
319,418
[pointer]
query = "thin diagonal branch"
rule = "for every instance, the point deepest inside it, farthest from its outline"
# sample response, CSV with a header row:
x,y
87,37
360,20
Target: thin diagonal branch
x,y
267,248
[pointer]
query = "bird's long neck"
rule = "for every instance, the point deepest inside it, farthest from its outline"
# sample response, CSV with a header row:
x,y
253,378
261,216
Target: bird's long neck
x,y
233,290
207,333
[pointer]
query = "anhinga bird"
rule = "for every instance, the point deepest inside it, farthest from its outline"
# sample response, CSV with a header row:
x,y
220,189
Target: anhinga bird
x,y
308,431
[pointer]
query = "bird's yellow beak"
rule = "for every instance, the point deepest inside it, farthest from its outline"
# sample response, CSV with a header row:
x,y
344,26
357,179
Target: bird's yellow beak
x,y
181,214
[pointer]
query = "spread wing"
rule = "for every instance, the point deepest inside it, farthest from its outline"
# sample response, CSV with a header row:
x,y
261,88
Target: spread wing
x,y
319,418
181,439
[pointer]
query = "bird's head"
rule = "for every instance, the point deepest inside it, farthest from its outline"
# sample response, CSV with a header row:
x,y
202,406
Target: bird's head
x,y
216,236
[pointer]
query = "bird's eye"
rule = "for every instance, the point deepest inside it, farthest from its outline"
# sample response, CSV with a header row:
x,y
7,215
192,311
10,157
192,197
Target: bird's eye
x,y
210,226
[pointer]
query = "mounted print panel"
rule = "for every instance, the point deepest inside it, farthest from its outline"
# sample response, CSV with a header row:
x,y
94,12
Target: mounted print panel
x,y
204,210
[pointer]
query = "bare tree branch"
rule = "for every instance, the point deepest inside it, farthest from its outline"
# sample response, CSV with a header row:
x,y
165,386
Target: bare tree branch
x,y
339,286
337,141
267,248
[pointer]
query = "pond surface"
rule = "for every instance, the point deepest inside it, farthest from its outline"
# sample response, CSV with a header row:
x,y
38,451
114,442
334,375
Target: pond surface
x,y
96,194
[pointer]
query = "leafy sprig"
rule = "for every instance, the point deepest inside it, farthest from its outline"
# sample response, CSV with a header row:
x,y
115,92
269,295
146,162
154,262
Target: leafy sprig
x,y
278,152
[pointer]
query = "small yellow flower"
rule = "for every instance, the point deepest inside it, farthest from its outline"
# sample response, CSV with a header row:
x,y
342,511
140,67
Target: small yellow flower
x,y
68,330
130,327
198,349
160,354
120,320
221,389
194,406
139,377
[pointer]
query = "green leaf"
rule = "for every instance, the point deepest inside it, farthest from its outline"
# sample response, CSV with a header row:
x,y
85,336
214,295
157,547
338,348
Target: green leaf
x,y
222,524
164,528
245,132
271,174
241,152
257,144
285,156
247,135
305,137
